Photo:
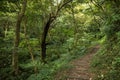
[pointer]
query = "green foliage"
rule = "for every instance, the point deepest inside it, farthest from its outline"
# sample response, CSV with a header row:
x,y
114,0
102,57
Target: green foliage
x,y
106,63
106,68
48,71
77,26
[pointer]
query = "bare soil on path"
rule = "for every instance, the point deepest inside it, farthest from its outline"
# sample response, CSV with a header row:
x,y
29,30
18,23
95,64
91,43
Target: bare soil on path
x,y
80,69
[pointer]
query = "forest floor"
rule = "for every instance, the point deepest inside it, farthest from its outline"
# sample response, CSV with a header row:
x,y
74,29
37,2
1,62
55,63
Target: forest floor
x,y
81,67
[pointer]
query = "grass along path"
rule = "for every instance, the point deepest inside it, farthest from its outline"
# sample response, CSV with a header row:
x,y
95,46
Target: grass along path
x,y
80,69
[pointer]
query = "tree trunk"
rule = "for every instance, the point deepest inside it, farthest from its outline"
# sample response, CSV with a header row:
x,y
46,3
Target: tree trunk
x,y
44,35
17,38
47,26
29,47
75,26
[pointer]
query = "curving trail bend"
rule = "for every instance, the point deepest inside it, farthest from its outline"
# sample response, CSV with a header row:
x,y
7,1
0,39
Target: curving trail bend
x,y
81,68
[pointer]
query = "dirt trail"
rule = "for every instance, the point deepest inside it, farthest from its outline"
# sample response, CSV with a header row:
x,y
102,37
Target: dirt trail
x,y
81,69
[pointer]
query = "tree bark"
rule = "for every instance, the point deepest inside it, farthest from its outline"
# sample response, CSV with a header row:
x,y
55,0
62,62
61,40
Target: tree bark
x,y
17,38
46,29
29,47
44,35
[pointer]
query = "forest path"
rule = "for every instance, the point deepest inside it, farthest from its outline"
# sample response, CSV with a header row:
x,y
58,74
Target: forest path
x,y
81,67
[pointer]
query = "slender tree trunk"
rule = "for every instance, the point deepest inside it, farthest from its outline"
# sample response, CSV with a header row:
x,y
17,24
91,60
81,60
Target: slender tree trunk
x,y
44,35
17,38
29,47
6,28
75,26
47,26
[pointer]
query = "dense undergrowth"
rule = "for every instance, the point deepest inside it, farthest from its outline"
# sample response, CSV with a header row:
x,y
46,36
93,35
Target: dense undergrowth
x,y
57,61
106,62
48,71
66,28
44,71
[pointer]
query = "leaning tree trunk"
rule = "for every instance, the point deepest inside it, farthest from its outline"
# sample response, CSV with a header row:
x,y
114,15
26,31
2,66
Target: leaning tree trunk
x,y
44,35
17,38
47,26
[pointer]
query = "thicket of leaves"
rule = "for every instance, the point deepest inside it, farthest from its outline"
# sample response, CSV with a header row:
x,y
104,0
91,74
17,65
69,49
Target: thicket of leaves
x,y
107,60
79,25
61,39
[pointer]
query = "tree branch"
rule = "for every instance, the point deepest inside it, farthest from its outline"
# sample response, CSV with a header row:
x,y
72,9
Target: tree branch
x,y
59,8
53,17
